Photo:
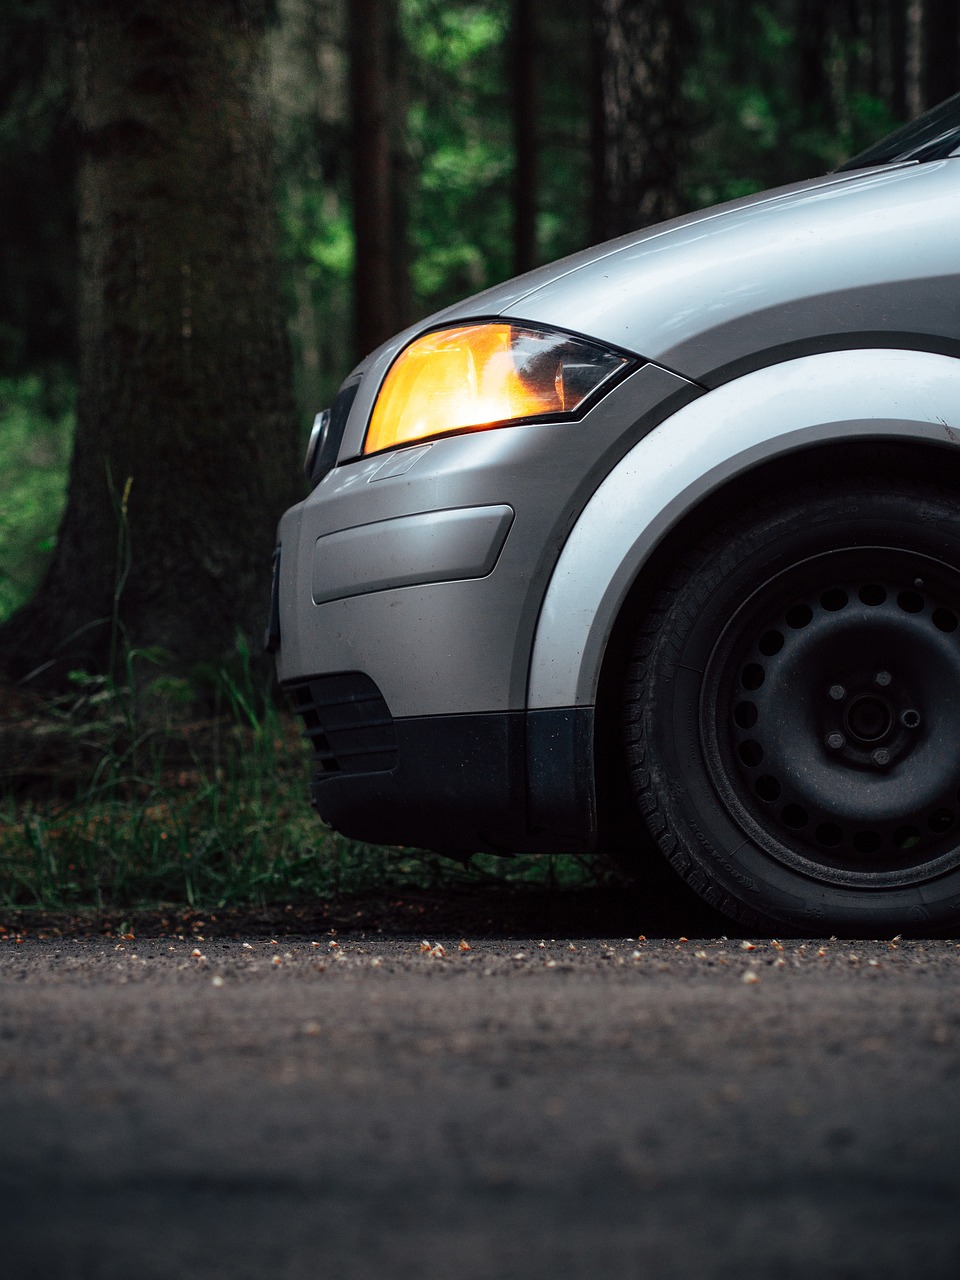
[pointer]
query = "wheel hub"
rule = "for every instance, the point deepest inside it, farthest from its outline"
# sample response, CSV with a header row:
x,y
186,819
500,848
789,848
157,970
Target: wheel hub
x,y
867,727
868,719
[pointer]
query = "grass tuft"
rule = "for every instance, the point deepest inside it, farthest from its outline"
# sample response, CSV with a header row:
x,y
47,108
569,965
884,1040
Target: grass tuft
x,y
114,800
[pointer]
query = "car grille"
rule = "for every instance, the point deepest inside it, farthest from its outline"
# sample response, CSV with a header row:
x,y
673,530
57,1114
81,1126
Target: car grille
x,y
348,722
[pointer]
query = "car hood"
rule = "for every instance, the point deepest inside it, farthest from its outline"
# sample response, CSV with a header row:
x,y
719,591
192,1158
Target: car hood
x,y
810,263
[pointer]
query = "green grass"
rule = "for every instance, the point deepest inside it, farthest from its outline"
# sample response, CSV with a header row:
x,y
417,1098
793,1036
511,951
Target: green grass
x,y
120,803
112,800
36,436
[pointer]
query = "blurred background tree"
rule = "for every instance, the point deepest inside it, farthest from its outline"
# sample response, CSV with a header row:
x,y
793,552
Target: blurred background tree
x,y
186,444
424,149
641,55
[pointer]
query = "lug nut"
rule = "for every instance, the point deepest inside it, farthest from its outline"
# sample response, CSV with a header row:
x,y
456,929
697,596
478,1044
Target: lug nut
x,y
881,757
910,719
881,679
837,692
836,741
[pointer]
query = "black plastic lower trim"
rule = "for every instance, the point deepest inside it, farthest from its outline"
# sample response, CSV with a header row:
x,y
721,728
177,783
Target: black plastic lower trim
x,y
347,721
513,782
561,771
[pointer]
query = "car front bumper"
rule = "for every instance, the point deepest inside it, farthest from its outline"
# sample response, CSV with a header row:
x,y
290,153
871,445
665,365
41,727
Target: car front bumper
x,y
409,589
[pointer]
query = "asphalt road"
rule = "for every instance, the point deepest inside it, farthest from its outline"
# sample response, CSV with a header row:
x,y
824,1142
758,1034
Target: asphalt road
x,y
185,1107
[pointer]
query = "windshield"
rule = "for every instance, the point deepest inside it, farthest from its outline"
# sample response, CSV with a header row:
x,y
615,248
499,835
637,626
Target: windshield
x,y
932,136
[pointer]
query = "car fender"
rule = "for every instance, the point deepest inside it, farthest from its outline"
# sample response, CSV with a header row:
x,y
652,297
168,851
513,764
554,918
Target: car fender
x,y
831,396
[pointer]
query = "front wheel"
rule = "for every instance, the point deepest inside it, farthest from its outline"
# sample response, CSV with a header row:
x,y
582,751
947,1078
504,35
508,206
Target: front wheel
x,y
793,714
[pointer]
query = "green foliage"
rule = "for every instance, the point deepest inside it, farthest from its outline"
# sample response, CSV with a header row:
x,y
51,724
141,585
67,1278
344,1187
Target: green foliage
x,y
156,802
757,127
451,38
458,135
460,139
166,807
754,125
36,435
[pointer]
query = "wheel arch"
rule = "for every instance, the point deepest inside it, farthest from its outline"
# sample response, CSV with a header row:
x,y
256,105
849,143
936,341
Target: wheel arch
x,y
711,447
839,412
920,460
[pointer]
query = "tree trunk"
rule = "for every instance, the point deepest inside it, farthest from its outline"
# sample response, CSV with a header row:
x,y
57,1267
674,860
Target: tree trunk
x,y
913,57
812,55
373,205
186,446
402,177
898,58
644,48
524,110
941,48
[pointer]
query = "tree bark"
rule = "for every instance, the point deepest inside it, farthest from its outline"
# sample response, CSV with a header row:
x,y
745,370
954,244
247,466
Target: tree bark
x,y
812,53
941,49
402,177
523,75
898,57
372,167
186,445
644,47
913,58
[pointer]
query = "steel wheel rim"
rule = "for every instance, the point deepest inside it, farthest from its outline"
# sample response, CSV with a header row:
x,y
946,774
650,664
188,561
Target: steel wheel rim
x,y
830,717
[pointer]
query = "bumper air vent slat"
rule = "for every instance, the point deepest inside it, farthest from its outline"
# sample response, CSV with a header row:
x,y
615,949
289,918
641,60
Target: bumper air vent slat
x,y
347,722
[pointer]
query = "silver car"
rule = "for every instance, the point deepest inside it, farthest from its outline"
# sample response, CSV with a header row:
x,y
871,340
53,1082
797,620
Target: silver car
x,y
660,545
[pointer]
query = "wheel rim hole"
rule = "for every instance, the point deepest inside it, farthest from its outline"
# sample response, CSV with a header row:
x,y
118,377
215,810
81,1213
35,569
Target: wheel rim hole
x,y
799,616
771,642
794,816
745,715
829,835
868,718
767,788
945,619
751,677
910,601
906,837
751,753
833,599
866,842
872,593
941,820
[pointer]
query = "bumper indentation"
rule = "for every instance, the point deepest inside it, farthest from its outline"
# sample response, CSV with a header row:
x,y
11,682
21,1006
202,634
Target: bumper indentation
x,y
348,723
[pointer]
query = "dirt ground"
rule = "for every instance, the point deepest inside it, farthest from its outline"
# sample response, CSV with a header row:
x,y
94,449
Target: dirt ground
x,y
279,1095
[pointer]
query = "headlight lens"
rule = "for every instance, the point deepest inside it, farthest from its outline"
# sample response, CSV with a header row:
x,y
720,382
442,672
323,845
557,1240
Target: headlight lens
x,y
478,376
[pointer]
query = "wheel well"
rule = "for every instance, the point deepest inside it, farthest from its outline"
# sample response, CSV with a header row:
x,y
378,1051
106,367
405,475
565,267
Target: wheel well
x,y
915,461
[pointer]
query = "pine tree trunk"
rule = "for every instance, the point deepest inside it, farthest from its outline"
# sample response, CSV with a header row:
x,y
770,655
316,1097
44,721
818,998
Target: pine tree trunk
x,y
898,58
941,49
913,58
373,205
812,53
186,446
523,76
644,48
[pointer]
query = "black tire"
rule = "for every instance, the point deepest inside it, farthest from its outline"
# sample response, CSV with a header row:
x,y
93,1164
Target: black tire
x,y
793,714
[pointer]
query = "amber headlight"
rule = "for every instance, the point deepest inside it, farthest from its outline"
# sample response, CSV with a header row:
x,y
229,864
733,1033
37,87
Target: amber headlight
x,y
478,376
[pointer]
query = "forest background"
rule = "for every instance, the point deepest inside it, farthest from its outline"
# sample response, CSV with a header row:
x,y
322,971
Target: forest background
x,y
402,154
494,123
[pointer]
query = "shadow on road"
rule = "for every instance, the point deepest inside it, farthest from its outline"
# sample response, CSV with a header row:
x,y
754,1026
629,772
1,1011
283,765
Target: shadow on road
x,y
659,908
